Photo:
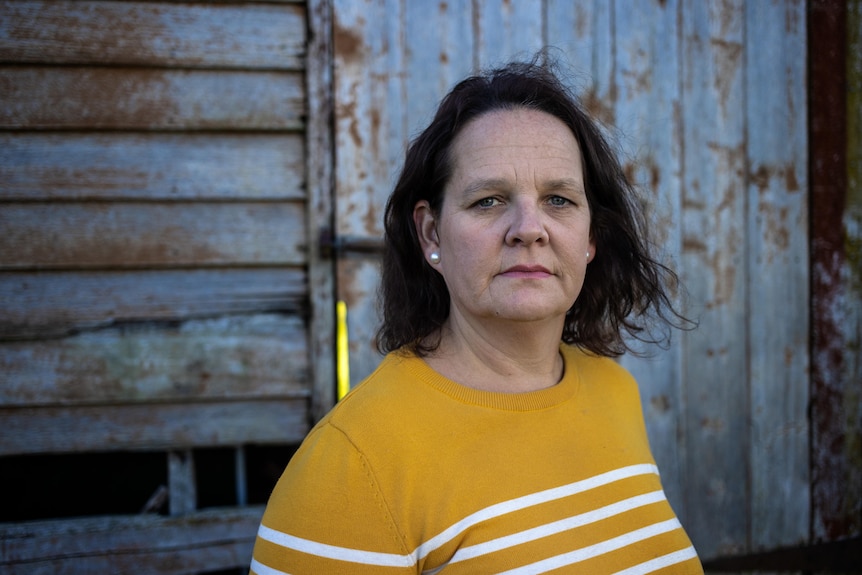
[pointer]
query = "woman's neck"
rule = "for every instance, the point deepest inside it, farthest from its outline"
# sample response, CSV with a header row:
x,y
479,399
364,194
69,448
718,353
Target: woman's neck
x,y
511,358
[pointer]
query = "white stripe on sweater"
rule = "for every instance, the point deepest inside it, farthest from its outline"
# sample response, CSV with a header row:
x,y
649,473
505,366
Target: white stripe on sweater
x,y
490,512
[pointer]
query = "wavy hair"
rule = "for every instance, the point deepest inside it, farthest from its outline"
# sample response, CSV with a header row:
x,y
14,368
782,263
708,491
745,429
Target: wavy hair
x,y
625,290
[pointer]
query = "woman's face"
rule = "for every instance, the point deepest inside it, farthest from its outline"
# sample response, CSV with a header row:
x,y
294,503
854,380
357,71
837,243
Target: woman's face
x,y
513,232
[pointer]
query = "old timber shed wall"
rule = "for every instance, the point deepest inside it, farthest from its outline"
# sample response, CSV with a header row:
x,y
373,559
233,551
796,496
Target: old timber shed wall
x,y
156,329
708,102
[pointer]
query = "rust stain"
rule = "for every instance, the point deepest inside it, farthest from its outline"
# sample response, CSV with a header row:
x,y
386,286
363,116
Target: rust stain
x,y
598,108
347,44
728,56
713,424
660,403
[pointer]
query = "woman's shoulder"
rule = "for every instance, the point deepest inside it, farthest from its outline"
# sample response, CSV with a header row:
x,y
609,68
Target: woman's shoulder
x,y
587,361
383,393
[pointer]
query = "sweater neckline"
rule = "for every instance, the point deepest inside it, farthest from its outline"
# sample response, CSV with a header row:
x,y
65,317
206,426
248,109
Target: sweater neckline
x,y
521,401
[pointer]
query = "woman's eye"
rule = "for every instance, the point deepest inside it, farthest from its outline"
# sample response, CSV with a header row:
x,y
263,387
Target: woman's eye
x,y
487,202
558,201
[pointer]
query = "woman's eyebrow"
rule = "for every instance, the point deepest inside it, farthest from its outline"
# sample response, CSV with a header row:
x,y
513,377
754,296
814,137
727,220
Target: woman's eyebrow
x,y
568,184
485,184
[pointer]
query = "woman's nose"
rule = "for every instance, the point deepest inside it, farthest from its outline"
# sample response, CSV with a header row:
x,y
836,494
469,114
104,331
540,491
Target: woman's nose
x,y
526,226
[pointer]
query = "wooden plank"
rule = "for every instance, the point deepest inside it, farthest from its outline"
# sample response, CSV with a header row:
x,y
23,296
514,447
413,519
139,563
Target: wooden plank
x,y
647,101
151,426
320,206
197,542
778,243
714,267
182,485
437,56
148,34
149,99
370,135
54,304
133,235
507,30
130,166
242,357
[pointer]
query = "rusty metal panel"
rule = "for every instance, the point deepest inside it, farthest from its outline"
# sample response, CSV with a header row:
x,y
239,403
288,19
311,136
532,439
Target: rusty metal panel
x,y
836,214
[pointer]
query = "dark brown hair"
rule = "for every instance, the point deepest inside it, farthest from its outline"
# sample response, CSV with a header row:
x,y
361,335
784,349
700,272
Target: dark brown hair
x,y
625,288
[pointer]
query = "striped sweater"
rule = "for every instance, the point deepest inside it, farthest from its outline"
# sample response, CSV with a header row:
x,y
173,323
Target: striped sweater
x,y
414,473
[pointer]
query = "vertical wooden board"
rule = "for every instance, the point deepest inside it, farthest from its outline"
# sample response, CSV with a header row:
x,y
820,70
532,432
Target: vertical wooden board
x,y
438,55
182,488
775,55
647,111
583,32
370,131
320,208
507,30
714,271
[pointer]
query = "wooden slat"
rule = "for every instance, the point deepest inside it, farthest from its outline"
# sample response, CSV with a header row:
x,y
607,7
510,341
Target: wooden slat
x,y
714,234
153,34
242,357
151,426
646,73
777,247
128,235
56,304
36,166
182,484
507,30
447,45
202,541
138,99
320,207
370,137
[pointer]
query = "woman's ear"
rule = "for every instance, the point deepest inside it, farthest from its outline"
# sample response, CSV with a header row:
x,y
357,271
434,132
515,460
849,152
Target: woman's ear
x,y
426,228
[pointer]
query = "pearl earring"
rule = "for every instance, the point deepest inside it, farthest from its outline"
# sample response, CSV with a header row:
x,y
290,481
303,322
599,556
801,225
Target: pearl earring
x,y
588,255
434,257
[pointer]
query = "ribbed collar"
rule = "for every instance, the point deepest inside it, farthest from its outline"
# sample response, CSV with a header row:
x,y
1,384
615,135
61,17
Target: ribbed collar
x,y
526,401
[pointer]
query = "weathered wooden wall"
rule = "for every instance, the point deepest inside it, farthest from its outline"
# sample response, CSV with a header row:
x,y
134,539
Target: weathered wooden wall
x,y
159,218
707,103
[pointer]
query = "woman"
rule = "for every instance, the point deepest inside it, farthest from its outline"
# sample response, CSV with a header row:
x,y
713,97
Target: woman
x,y
496,436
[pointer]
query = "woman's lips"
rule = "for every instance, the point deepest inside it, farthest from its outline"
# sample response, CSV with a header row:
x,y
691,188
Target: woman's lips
x,y
523,271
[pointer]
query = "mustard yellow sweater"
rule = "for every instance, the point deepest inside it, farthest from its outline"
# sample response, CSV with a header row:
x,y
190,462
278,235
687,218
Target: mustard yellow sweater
x,y
414,473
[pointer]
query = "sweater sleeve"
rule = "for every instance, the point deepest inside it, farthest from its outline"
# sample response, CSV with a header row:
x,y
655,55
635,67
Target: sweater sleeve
x,y
327,515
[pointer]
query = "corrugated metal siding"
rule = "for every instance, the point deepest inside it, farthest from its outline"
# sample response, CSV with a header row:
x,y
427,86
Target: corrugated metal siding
x,y
707,101
156,214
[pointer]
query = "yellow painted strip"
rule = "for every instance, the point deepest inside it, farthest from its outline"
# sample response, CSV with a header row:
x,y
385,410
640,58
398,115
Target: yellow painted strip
x,y
341,346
